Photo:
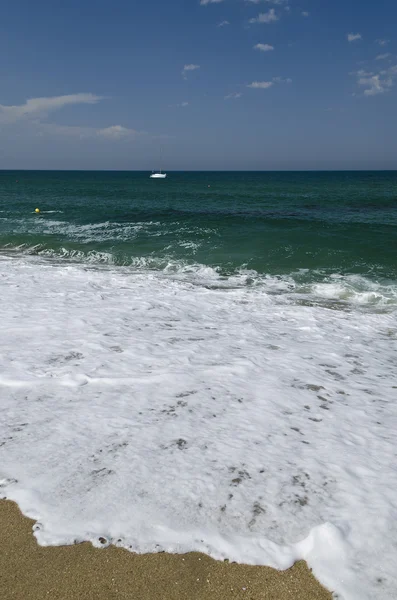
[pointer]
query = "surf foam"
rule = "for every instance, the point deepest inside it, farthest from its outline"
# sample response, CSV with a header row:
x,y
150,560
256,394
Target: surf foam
x,y
161,414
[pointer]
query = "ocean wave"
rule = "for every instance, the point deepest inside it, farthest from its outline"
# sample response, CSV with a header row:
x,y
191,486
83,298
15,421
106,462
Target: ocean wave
x,y
333,290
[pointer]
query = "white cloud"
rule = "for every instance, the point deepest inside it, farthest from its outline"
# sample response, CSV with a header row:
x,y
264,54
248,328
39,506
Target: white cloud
x,y
282,80
362,73
264,85
233,95
269,17
383,56
205,2
116,132
188,68
376,83
40,107
35,111
305,13
223,23
353,37
264,47
260,85
382,42
180,105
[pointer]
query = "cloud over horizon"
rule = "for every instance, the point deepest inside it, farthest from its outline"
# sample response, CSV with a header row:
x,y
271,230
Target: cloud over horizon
x,y
35,111
40,107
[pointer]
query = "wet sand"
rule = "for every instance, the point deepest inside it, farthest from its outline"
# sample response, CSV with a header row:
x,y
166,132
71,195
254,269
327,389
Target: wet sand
x,y
81,572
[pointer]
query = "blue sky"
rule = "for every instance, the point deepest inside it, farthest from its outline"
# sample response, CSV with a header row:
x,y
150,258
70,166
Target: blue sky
x,y
226,84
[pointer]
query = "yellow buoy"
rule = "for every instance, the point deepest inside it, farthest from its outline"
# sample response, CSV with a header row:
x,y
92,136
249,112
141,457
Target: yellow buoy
x,y
36,210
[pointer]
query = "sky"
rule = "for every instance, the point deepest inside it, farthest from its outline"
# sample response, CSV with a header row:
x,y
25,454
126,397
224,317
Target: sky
x,y
206,84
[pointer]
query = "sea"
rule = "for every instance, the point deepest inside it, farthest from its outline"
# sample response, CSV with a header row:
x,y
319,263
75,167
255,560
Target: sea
x,y
206,362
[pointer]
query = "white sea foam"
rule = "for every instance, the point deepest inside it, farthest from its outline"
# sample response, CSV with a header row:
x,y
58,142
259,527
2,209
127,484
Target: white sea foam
x,y
183,410
49,212
88,232
348,290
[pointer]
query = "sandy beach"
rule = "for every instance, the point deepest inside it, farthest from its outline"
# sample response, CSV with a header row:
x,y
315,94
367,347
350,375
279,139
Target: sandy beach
x,y
29,571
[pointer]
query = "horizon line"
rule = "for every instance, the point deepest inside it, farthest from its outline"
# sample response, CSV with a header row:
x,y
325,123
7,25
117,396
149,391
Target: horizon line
x,y
358,170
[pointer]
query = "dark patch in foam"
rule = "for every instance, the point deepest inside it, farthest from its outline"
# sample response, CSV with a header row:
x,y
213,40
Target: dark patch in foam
x,y
257,510
181,444
186,394
19,427
104,472
6,482
314,388
242,475
335,374
171,410
324,399
301,500
356,371
301,479
103,541
118,446
62,358
296,429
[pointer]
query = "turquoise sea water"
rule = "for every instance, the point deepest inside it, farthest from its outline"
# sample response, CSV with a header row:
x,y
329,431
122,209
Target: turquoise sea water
x,y
271,223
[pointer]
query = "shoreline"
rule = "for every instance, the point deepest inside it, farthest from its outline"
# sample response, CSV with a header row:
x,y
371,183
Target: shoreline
x,y
33,572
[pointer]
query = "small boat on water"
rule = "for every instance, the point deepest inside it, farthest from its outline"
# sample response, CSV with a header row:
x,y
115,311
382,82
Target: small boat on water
x,y
159,174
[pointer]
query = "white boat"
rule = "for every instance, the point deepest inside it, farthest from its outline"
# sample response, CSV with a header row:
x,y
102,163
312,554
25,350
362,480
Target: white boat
x,y
159,174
